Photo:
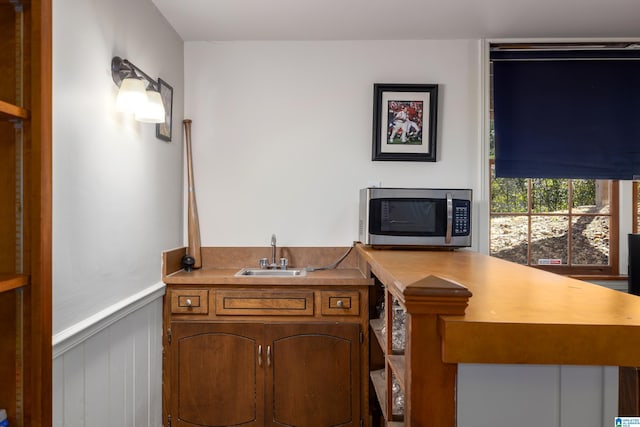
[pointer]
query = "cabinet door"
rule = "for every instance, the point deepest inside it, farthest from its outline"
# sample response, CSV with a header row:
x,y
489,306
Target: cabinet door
x,y
313,375
217,377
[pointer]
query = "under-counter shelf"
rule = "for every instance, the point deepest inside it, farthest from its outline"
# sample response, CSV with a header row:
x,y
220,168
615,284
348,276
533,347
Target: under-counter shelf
x,y
376,326
10,282
397,365
396,361
380,386
10,111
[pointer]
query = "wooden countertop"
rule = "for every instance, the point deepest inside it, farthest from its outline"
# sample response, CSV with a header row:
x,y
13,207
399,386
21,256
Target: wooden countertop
x,y
222,263
519,314
225,276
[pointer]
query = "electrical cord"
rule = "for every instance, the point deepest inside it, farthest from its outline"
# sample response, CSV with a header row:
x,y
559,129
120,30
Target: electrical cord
x,y
335,264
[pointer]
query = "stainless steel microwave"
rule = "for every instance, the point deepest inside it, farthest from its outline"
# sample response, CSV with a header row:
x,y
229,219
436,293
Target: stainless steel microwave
x,y
426,217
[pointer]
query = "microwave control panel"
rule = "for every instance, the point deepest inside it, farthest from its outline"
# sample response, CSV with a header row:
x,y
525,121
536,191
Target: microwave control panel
x,y
461,217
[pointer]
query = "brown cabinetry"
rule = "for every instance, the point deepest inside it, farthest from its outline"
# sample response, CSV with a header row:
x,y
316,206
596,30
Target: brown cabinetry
x,y
265,374
265,356
25,211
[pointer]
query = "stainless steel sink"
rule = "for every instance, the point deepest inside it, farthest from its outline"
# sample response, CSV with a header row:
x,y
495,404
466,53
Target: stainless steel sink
x,y
260,272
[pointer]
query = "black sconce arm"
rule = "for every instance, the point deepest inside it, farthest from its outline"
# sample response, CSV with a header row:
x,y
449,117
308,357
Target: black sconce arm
x,y
123,68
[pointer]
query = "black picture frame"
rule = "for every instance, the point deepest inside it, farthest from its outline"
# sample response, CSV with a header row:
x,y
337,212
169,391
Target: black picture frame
x,y
405,118
163,130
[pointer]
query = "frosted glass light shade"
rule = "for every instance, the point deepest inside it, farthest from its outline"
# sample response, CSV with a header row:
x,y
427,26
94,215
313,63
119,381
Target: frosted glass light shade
x,y
131,96
153,110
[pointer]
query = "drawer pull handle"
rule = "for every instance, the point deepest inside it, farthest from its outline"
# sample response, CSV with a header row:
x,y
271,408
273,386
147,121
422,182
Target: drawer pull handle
x,y
268,355
259,355
340,303
188,302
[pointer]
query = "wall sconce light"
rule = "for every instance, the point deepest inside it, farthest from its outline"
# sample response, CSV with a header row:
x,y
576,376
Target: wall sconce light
x,y
139,94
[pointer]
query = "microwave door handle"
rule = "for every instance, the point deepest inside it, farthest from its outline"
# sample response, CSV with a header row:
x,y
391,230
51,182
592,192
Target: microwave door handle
x,y
447,238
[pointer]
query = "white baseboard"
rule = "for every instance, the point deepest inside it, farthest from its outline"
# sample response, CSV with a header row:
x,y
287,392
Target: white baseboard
x,y
65,340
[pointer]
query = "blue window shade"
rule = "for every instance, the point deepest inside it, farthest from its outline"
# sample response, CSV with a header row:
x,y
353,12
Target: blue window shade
x,y
576,116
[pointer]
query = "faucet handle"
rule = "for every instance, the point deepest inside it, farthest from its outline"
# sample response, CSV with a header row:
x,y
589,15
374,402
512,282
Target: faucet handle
x,y
264,262
284,263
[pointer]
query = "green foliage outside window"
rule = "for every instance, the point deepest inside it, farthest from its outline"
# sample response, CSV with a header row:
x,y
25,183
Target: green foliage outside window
x,y
510,195
584,192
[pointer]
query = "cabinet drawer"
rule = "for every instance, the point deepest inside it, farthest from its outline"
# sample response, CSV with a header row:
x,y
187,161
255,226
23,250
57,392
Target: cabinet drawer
x,y
340,303
190,301
265,303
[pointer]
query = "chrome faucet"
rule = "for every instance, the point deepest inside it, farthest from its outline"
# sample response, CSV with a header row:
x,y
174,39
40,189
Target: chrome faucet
x,y
273,250
264,262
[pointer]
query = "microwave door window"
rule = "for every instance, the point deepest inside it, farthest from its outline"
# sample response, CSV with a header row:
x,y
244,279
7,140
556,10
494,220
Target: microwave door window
x,y
407,216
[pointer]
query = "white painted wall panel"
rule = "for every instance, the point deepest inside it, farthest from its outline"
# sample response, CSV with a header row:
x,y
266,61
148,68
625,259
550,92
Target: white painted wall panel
x,y
114,376
536,395
140,363
57,389
120,373
73,388
610,394
154,407
579,385
96,364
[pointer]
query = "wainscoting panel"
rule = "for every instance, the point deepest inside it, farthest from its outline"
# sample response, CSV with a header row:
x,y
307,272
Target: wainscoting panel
x,y
537,395
113,376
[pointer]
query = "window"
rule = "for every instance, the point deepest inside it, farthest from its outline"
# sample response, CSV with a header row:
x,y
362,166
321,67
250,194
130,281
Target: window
x,y
563,225
569,226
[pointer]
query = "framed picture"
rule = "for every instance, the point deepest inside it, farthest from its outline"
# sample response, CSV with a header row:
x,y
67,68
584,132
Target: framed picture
x,y
404,122
163,130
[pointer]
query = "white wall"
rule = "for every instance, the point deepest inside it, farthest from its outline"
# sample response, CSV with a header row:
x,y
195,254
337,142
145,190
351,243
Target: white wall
x,y
282,132
117,189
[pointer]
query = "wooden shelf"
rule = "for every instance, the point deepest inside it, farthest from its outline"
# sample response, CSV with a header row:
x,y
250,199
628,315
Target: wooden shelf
x,y
9,282
380,386
10,111
397,364
376,327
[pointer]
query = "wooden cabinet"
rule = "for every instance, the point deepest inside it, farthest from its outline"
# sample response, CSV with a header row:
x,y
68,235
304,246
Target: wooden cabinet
x,y
265,374
218,374
265,357
315,375
25,211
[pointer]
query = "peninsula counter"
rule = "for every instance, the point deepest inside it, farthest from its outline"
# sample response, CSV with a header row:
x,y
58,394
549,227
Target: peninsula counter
x,y
466,308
